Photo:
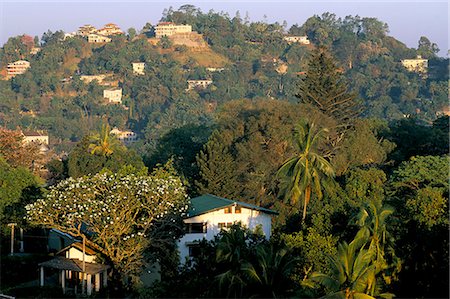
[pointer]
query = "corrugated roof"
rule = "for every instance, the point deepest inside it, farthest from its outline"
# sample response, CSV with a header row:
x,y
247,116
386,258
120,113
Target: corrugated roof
x,y
76,265
208,203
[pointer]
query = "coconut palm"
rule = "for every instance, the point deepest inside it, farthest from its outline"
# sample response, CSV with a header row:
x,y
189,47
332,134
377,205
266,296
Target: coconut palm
x,y
269,272
307,170
104,144
350,273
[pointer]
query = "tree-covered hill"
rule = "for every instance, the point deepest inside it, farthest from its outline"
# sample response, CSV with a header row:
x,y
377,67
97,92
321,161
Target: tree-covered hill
x,y
257,64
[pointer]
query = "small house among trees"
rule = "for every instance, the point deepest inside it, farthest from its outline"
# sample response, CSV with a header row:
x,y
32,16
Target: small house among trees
x,y
78,271
209,214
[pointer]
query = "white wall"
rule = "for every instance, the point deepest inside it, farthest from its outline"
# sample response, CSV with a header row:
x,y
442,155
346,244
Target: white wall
x,y
74,253
248,217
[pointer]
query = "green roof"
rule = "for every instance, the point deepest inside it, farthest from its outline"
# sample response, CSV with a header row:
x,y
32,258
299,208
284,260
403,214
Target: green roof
x,y
208,203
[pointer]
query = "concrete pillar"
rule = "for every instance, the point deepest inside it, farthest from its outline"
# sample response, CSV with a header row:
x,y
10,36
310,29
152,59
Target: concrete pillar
x,y
21,249
105,278
89,284
63,281
41,276
97,282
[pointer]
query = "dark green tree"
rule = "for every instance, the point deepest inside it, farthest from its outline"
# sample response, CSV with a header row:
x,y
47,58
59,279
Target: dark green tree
x,y
216,169
325,88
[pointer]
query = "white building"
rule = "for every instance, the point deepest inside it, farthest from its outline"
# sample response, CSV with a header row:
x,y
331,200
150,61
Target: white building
x,y
17,67
109,29
138,68
302,39
418,65
35,136
113,95
85,30
94,38
215,69
89,78
198,83
169,28
126,137
209,214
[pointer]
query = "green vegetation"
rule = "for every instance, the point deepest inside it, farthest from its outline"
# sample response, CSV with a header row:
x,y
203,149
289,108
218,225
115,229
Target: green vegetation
x,y
365,173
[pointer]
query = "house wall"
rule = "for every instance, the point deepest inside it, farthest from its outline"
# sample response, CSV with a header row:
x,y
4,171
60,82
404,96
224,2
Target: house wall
x,y
169,29
248,217
94,38
113,96
415,65
17,68
297,39
38,139
74,253
138,68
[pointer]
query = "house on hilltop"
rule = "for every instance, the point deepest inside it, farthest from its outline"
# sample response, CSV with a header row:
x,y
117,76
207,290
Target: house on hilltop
x,y
109,29
85,30
209,214
94,38
169,28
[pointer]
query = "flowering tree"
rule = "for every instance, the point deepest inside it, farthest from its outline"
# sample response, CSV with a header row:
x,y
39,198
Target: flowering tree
x,y
119,215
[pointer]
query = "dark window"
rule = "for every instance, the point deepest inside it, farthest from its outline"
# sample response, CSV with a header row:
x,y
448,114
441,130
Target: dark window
x,y
194,250
195,228
228,210
237,209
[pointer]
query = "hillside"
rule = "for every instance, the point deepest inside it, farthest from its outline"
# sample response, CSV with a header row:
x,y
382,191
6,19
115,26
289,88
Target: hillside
x,y
254,59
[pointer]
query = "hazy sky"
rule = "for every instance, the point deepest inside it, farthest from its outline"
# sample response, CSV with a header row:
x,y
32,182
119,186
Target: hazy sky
x,y
407,20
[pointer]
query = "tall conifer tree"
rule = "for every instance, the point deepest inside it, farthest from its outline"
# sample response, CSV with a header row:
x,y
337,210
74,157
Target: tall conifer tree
x,y
325,88
216,169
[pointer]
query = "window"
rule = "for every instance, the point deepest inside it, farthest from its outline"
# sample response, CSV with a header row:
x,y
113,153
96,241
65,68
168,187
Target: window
x,y
228,210
194,250
195,228
237,209
223,225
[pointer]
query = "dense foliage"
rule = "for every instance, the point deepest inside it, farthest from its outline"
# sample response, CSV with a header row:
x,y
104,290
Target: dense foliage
x,y
337,136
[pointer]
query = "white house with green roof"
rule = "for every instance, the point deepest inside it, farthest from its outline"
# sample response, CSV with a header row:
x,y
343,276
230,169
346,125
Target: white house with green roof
x,y
208,214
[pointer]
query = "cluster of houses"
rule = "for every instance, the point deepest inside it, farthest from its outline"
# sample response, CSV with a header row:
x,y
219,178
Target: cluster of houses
x,y
96,36
79,271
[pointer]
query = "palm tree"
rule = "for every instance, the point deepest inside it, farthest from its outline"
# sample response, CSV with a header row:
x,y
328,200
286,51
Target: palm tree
x,y
270,270
104,144
372,221
307,169
351,271
232,252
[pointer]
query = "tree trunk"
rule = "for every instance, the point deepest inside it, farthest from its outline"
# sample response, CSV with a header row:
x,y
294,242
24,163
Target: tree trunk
x,y
307,197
